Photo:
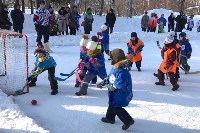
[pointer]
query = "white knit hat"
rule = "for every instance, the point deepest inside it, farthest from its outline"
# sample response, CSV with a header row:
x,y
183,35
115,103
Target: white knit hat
x,y
169,39
172,33
91,45
84,42
104,27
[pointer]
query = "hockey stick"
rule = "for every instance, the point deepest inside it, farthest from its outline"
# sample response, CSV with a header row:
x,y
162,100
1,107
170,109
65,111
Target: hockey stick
x,y
158,44
196,72
61,79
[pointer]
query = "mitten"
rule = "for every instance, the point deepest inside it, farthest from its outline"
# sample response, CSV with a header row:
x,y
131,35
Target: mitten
x,y
166,66
98,33
99,40
92,60
81,65
102,83
189,55
111,88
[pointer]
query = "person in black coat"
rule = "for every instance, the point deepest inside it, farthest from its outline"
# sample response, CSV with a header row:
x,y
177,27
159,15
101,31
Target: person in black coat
x,y
110,20
17,18
171,20
4,19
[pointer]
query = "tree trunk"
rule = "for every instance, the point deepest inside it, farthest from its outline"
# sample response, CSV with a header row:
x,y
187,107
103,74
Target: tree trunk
x,y
23,6
38,3
31,6
102,5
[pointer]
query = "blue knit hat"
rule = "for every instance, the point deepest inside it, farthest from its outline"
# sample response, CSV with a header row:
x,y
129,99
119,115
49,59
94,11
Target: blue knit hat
x,y
42,1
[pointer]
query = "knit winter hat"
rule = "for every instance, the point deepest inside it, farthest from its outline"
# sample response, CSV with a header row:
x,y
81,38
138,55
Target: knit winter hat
x,y
104,27
172,33
40,48
182,34
134,34
42,2
169,39
84,42
94,38
117,55
91,45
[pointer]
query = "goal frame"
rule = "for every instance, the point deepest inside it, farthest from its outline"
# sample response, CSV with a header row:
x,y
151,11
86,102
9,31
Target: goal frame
x,y
6,34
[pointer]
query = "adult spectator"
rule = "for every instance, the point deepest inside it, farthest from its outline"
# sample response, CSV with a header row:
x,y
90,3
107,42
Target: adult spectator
x,y
72,21
61,20
88,18
17,18
41,19
144,21
181,20
171,20
67,15
110,20
155,22
4,19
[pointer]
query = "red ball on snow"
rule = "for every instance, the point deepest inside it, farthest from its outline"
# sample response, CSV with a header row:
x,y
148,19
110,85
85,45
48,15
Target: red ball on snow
x,y
34,102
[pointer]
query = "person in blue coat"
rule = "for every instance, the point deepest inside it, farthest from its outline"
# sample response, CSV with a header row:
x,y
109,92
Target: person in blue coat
x,y
105,39
186,51
95,64
43,62
120,93
162,20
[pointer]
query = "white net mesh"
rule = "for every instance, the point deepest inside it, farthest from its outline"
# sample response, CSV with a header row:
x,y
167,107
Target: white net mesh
x,y
13,61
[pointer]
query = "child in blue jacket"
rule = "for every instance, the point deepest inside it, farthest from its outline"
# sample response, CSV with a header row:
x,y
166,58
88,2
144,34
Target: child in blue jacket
x,y
105,39
120,93
83,55
95,64
186,51
43,62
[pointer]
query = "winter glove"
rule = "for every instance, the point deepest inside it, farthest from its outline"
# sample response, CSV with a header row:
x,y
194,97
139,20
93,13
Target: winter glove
x,y
111,88
81,65
99,40
166,66
189,55
92,60
98,33
102,83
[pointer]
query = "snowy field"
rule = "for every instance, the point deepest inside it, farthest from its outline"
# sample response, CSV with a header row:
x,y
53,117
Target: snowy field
x,y
155,109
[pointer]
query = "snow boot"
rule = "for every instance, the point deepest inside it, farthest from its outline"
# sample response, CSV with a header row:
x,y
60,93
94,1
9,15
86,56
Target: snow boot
x,y
54,92
106,120
155,74
139,70
80,94
126,126
175,87
47,48
160,83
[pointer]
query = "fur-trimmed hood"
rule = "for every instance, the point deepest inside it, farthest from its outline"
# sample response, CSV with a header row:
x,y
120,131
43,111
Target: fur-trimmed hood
x,y
120,63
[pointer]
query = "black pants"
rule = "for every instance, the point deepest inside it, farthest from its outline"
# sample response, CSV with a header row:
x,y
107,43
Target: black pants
x,y
42,31
171,75
18,30
72,30
138,64
87,31
110,29
51,75
120,112
170,27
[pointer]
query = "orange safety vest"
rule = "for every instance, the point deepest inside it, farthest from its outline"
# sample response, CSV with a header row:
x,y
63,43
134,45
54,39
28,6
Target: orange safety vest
x,y
172,68
138,55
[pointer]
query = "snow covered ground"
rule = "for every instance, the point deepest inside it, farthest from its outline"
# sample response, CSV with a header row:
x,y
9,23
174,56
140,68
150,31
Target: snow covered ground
x,y
154,108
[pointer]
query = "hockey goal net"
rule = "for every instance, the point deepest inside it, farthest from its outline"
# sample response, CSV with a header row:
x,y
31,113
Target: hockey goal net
x,y
13,62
